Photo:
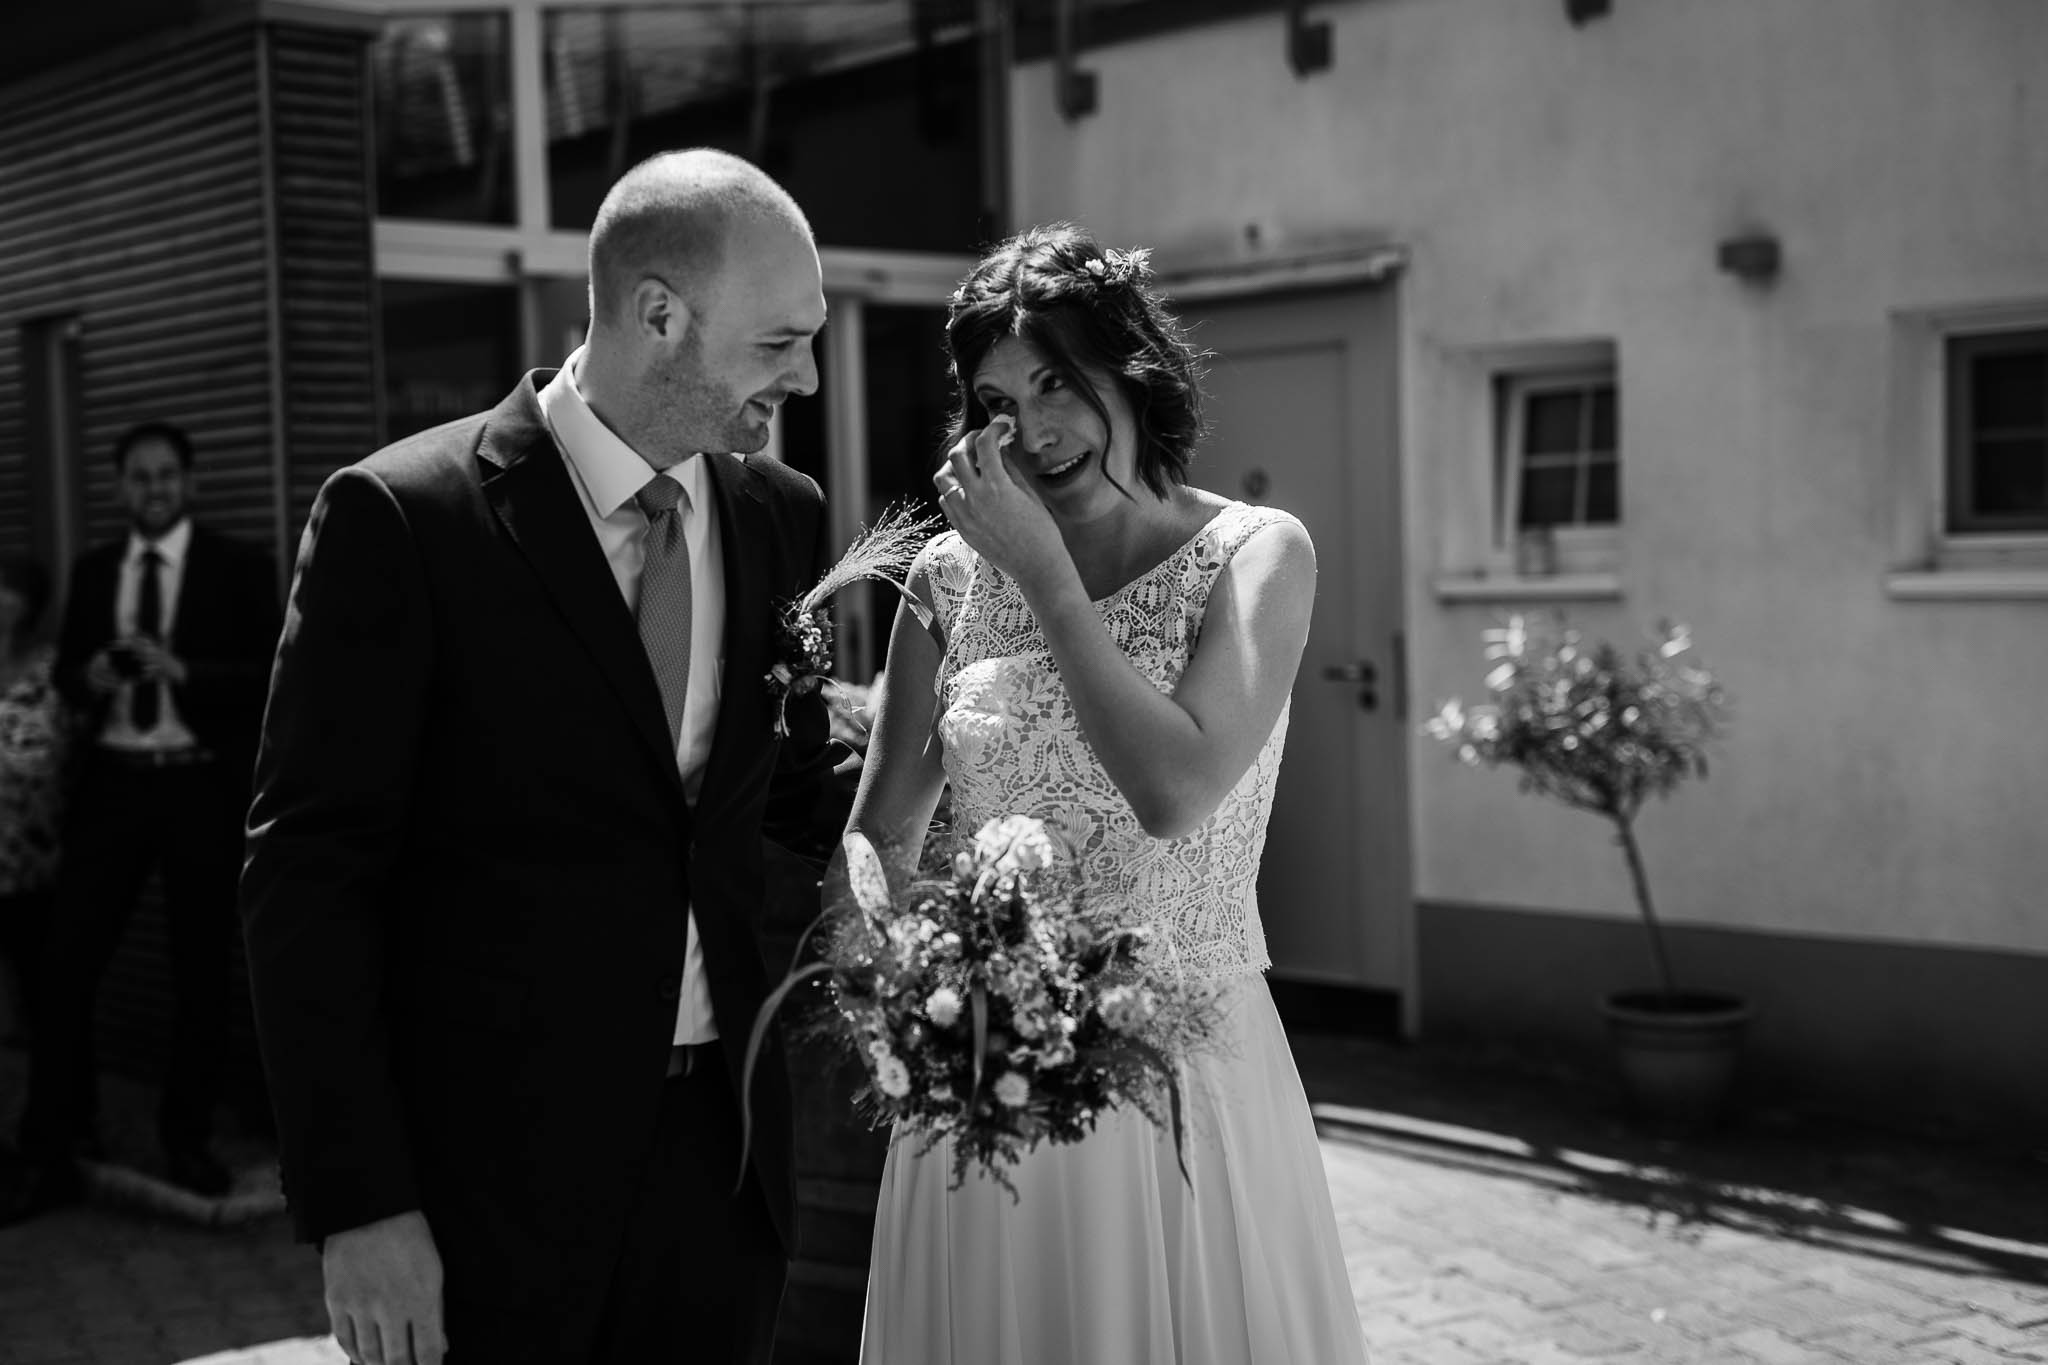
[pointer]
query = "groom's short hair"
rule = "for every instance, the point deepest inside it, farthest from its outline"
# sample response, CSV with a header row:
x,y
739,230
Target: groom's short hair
x,y
671,217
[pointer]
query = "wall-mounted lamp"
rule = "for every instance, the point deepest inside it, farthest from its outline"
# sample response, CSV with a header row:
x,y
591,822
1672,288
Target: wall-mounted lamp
x,y
1583,12
1754,257
1308,43
1076,89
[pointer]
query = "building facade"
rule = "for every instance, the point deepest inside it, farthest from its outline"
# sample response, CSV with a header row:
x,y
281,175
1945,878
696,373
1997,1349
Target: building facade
x,y
1734,313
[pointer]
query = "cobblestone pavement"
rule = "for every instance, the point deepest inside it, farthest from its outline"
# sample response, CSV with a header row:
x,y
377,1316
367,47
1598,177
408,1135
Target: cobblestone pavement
x,y
1490,1216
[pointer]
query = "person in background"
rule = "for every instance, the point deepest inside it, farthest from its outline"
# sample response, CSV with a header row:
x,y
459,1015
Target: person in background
x,y
33,733
165,651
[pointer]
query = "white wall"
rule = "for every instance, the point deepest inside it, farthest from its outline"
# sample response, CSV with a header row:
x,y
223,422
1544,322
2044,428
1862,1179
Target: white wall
x,y
1887,774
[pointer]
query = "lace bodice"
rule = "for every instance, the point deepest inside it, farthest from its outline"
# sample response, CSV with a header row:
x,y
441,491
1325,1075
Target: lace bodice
x,y
1014,746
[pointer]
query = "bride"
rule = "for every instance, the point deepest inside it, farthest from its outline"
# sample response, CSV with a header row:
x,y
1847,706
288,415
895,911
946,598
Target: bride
x,y
1112,652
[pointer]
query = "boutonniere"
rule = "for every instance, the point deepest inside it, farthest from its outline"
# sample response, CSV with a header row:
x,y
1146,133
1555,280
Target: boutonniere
x,y
803,631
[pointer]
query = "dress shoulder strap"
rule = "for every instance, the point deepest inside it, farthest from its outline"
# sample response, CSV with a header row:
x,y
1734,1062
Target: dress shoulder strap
x,y
1224,536
948,564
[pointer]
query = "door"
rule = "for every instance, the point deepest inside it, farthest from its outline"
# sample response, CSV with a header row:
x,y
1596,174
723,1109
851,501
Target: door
x,y
1301,394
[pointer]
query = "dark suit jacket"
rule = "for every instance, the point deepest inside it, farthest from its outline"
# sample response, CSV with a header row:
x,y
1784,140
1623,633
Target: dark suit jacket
x,y
470,858
224,632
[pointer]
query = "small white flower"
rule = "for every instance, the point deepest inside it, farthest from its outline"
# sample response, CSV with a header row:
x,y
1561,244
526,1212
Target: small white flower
x,y
1012,1090
1127,1008
1097,268
893,1077
943,1007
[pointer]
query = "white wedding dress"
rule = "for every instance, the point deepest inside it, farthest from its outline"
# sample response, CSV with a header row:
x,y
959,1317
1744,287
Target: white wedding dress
x,y
1108,1256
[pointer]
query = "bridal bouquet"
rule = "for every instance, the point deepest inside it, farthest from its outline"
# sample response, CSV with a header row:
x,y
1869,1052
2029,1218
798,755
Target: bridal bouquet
x,y
991,1005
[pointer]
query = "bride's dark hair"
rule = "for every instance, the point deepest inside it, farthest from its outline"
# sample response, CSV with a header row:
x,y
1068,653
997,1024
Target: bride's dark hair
x,y
1083,309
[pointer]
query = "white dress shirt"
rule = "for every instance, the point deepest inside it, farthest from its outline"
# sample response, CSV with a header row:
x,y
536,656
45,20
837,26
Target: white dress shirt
x,y
607,474
170,731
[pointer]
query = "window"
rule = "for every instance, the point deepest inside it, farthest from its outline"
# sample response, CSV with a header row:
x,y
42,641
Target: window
x,y
1996,399
449,350
1559,470
441,91
806,89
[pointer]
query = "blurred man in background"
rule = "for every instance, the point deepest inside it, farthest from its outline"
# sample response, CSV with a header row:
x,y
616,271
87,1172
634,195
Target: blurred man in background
x,y
165,650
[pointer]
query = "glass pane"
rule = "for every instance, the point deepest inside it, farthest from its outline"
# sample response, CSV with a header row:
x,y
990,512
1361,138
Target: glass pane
x,y
2009,392
909,402
1549,494
866,110
443,119
2010,477
1552,422
1603,493
1602,436
449,350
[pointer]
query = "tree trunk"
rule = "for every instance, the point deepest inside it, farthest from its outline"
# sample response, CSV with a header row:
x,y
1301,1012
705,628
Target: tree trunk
x,y
1635,867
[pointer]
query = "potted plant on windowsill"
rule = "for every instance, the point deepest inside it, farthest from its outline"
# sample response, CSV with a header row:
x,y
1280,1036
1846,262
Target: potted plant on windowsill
x,y
1602,731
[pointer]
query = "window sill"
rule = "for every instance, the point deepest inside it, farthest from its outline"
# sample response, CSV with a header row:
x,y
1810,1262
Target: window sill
x,y
1561,587
1968,585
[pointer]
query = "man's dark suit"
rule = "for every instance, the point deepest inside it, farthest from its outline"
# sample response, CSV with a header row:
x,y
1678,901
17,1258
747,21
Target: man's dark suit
x,y
470,856
127,820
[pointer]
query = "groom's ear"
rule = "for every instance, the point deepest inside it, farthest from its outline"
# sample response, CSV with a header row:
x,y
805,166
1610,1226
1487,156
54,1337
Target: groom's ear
x,y
659,312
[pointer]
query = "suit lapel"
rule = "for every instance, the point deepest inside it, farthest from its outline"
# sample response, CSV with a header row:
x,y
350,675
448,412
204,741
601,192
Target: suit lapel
x,y
532,492
745,544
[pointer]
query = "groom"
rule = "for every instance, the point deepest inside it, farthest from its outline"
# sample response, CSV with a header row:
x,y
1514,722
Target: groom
x,y
505,875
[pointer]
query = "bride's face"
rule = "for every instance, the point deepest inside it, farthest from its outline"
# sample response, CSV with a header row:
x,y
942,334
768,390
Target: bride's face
x,y
1063,448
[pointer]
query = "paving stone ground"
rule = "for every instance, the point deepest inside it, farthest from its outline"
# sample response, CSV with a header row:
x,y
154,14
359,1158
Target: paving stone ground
x,y
1490,1216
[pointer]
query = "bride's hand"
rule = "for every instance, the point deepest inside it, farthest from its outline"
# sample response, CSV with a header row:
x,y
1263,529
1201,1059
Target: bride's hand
x,y
995,512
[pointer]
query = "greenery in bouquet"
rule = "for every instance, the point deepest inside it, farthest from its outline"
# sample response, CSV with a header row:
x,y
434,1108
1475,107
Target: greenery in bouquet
x,y
990,1004
1593,727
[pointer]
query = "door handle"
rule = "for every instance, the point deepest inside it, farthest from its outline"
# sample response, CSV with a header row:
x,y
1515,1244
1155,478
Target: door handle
x,y
1362,675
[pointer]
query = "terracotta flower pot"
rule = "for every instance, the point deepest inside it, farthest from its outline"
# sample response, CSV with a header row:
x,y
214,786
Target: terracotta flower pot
x,y
1677,1053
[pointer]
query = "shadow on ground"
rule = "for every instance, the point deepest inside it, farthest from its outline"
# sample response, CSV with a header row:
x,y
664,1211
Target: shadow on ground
x,y
1975,1205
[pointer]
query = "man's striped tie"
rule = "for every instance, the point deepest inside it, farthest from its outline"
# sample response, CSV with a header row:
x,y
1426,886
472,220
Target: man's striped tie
x,y
665,608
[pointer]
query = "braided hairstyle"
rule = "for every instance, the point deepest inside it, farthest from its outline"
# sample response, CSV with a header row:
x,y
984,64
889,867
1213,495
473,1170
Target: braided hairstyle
x,y
1085,311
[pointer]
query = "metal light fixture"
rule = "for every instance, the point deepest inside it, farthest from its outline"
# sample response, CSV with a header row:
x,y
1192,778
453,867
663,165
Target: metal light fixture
x,y
1755,257
1308,44
1076,89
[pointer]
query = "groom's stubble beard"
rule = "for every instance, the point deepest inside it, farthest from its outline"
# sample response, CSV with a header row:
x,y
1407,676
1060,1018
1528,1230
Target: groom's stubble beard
x,y
703,414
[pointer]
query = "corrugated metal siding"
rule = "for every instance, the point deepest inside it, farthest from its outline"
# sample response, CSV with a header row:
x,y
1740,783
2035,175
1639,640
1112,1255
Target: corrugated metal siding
x,y
132,197
326,265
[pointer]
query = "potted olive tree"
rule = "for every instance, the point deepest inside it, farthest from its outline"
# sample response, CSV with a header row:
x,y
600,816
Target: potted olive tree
x,y
1602,731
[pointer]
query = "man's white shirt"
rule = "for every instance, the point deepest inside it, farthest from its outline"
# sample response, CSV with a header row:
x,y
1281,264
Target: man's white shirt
x,y
607,474
170,730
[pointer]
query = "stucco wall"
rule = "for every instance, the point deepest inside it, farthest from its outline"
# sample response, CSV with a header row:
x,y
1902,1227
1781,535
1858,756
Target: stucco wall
x,y
1887,774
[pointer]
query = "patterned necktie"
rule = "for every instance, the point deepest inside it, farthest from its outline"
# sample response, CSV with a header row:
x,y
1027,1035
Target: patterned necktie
x,y
149,620
665,609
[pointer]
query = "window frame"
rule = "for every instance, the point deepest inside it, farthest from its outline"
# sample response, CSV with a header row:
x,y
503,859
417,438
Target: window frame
x,y
1928,561
1513,391
1961,522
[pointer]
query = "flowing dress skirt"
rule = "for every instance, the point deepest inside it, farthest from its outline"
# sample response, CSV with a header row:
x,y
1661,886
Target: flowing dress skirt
x,y
1110,1257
